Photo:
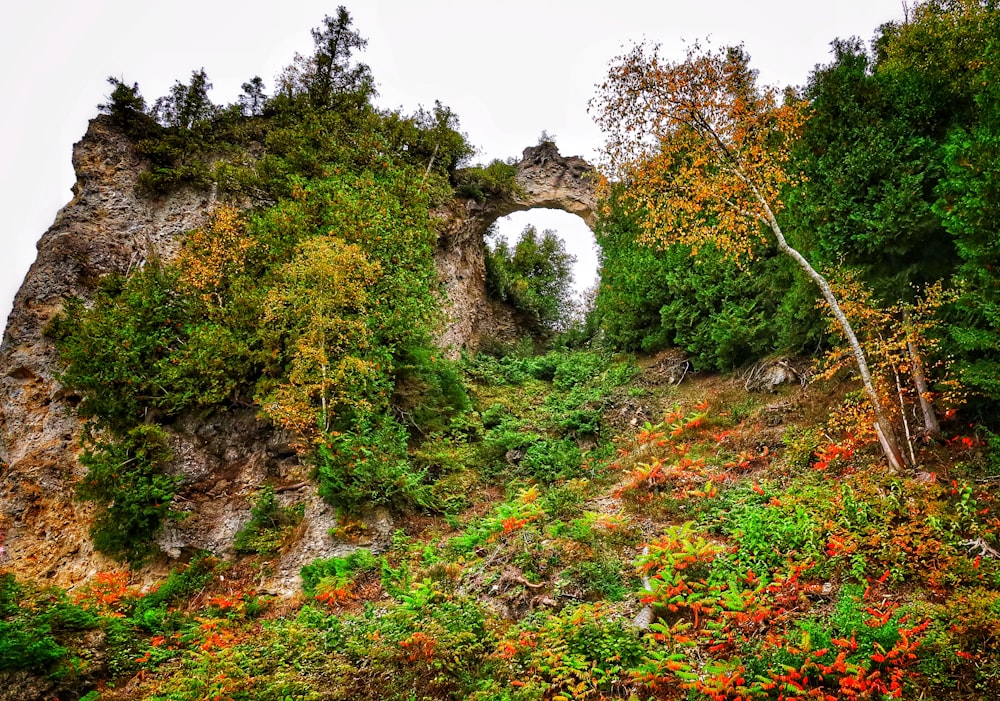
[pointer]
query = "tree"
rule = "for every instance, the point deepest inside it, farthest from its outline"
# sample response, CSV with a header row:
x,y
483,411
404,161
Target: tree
x,y
896,339
252,99
702,150
317,311
186,105
440,140
536,277
127,108
215,254
335,42
969,205
327,76
871,156
721,314
124,101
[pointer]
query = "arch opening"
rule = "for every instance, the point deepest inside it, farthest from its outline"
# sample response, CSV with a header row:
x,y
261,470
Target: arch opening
x,y
547,185
570,228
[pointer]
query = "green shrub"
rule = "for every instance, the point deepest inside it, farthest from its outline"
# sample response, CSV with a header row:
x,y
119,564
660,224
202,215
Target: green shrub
x,y
494,415
801,445
31,625
269,525
768,536
564,500
370,465
575,369
552,460
581,644
428,390
125,476
151,612
478,183
991,466
321,573
596,580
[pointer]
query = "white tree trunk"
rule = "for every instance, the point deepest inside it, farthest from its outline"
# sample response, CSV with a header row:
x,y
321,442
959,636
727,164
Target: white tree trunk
x,y
883,427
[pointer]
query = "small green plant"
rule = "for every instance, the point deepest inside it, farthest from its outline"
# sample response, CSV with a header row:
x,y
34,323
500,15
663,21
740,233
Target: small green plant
x,y
329,580
269,525
596,580
152,612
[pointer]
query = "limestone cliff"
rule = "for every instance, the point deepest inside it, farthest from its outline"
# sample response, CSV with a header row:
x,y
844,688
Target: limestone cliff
x,y
105,227
545,179
222,458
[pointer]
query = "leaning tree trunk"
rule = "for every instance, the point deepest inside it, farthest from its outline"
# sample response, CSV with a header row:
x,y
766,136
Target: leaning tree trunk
x,y
931,425
883,427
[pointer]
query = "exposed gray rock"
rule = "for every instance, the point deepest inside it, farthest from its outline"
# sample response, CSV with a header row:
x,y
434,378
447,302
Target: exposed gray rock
x,y
546,179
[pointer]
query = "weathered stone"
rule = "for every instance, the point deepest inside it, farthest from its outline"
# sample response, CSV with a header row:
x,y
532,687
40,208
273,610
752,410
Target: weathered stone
x,y
223,458
106,227
545,180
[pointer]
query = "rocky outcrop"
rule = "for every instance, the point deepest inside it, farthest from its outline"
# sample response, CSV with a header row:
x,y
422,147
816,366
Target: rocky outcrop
x,y
106,227
222,458
545,179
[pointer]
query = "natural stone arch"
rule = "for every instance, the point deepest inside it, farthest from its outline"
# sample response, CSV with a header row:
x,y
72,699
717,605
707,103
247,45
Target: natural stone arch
x,y
546,180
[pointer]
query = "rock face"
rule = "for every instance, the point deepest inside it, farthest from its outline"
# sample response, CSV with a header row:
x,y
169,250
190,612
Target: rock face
x,y
546,180
222,458
105,227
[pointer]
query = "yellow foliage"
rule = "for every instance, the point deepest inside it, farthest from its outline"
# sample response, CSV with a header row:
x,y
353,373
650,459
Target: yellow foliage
x,y
318,308
889,335
215,252
701,148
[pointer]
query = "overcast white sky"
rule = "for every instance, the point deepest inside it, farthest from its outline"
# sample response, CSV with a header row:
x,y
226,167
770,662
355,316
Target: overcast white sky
x,y
509,69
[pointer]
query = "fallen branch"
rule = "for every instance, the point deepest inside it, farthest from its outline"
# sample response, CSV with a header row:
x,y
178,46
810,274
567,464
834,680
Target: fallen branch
x,y
768,374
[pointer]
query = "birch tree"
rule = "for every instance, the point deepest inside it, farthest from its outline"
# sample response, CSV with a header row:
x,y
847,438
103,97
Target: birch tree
x,y
703,152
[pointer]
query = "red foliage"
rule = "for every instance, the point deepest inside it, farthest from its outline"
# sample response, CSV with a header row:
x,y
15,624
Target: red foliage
x,y
419,647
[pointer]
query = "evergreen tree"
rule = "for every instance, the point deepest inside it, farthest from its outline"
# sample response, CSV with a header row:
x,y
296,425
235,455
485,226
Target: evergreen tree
x,y
127,108
870,153
535,277
335,42
186,105
252,99
969,206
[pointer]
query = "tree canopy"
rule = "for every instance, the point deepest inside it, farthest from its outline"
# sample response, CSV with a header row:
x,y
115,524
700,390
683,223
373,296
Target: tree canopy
x,y
699,145
702,151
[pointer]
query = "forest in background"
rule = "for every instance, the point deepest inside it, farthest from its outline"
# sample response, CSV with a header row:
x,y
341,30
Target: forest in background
x,y
551,545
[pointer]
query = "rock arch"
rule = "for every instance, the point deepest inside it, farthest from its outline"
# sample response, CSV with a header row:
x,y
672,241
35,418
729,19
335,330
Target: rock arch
x,y
546,179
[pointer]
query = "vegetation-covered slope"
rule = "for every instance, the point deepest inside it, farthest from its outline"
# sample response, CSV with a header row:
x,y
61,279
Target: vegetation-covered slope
x,y
703,542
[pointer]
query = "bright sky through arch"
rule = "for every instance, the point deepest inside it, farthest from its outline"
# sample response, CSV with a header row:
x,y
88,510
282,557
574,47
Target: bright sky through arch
x,y
509,70
577,236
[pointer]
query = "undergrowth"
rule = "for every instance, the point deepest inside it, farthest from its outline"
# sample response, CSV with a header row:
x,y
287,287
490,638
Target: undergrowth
x,y
698,555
